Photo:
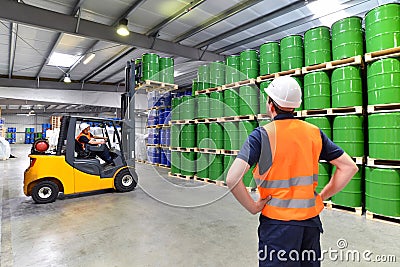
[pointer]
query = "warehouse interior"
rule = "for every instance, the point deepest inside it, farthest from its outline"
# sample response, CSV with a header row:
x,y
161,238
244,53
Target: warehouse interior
x,y
174,88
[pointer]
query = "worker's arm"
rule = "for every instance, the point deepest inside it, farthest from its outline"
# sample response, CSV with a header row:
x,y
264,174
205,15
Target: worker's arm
x,y
100,137
235,184
345,170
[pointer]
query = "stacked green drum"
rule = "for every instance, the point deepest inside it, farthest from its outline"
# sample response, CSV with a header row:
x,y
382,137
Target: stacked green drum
x,y
263,97
323,123
300,82
203,76
188,136
216,135
175,108
248,100
245,128
228,160
351,195
217,73
382,191
216,104
150,66
195,87
188,163
202,165
347,38
317,90
231,100
270,61
382,27
346,87
166,69
175,162
216,169
349,135
232,71
324,175
231,136
202,135
384,136
248,179
317,46
187,108
383,78
175,135
203,106
292,53
249,64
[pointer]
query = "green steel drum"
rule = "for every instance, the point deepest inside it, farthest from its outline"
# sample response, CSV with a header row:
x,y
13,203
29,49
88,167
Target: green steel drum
x,y
201,85
317,46
324,175
175,162
202,165
187,108
202,135
323,123
382,191
216,169
248,179
263,97
346,86
203,75
175,108
216,104
347,38
249,64
203,106
231,136
166,69
232,71
383,79
216,135
248,100
188,136
175,135
351,194
188,163
382,27
150,66
231,100
384,136
349,135
270,60
292,53
245,128
195,87
217,73
300,82
317,90
228,160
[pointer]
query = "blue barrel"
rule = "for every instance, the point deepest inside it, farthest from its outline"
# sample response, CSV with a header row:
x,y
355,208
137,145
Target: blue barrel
x,y
163,159
168,136
27,135
168,153
167,99
167,115
163,136
154,137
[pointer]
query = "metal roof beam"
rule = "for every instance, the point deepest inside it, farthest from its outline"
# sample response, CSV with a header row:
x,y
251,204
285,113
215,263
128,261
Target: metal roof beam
x,y
218,18
130,10
111,75
13,46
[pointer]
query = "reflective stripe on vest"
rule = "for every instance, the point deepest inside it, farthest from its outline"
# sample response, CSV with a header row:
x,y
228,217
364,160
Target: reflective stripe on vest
x,y
288,170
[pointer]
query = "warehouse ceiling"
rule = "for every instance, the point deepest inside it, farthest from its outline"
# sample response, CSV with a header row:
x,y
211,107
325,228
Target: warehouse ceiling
x,y
33,31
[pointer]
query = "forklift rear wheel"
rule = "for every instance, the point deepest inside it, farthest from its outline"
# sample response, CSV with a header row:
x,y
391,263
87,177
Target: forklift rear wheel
x,y
125,181
45,192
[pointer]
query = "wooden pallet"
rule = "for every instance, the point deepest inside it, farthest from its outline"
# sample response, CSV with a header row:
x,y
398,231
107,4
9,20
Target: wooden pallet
x,y
182,122
153,126
150,85
263,117
209,181
332,111
230,152
153,145
356,60
314,112
382,218
237,118
293,72
209,150
249,82
359,160
298,113
152,164
181,176
183,149
214,89
383,163
55,122
197,121
140,161
199,92
352,210
390,52
164,125
164,166
395,107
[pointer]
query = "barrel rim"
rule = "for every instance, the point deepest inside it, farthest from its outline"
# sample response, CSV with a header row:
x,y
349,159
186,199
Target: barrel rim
x,y
366,14
270,42
358,17
249,49
313,28
291,35
150,54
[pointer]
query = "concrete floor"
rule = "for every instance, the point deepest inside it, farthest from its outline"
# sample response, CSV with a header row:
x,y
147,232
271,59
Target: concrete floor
x,y
164,222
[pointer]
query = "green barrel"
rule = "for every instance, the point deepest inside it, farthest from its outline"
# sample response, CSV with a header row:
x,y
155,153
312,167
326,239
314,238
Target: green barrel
x,y
202,165
245,128
216,170
195,87
228,160
188,136
175,162
351,194
166,69
382,191
317,90
232,71
384,136
324,175
217,73
248,100
150,66
202,85
216,104
203,75
175,108
382,27
188,163
249,65
202,135
231,136
270,60
323,123
175,135
383,79
187,108
263,97
292,54
346,86
347,38
248,179
231,100
300,82
349,135
203,106
317,46
216,135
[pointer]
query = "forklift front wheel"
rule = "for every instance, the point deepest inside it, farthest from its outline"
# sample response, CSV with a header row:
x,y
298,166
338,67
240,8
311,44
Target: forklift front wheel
x,y
125,181
45,192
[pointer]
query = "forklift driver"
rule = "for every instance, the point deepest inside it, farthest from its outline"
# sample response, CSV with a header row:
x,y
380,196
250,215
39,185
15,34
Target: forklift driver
x,y
86,138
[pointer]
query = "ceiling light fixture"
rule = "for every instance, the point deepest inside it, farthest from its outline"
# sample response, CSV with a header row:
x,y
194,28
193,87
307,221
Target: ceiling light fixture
x,y
89,58
67,78
122,28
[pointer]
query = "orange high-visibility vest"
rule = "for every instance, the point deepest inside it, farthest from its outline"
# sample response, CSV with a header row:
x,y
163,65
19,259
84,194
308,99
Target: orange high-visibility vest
x,y
288,170
89,136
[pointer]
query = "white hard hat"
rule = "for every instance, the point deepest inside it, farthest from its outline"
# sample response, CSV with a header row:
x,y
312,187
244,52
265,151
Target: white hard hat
x,y
285,91
83,126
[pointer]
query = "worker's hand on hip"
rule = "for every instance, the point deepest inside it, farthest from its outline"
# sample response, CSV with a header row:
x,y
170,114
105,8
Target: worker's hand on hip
x,y
260,204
